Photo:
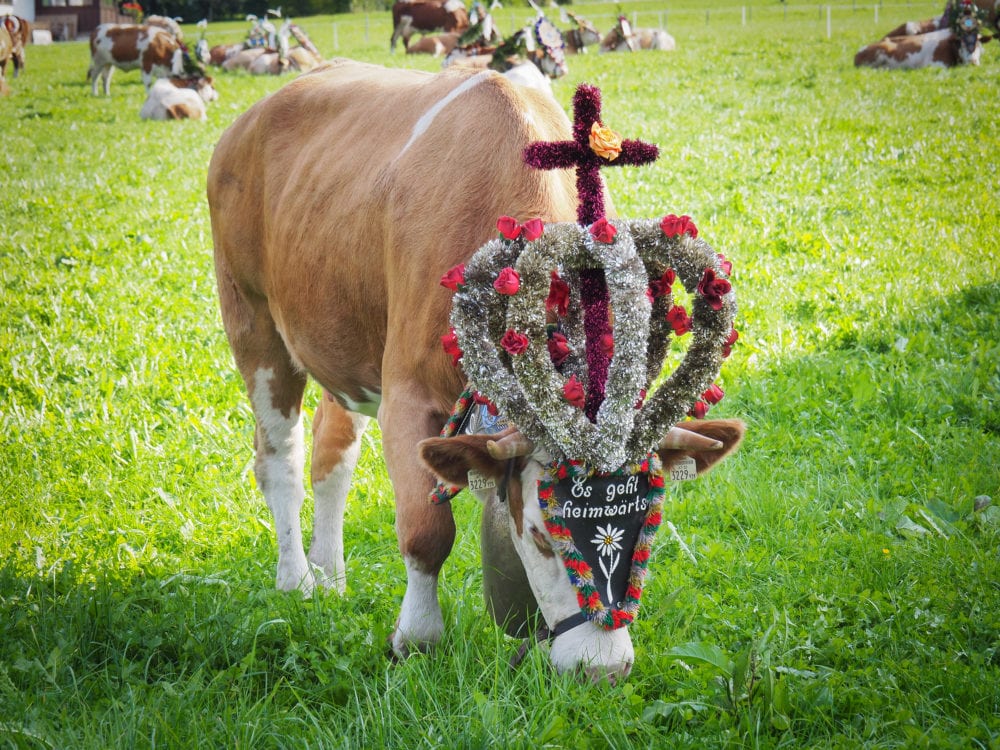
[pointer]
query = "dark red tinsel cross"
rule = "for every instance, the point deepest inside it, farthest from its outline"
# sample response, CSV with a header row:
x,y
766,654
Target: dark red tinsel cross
x,y
593,288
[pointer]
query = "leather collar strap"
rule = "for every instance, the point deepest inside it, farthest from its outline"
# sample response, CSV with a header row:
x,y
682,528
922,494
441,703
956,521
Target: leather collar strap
x,y
564,626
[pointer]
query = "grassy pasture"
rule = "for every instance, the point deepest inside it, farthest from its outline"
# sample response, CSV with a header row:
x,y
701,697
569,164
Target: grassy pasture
x,y
832,586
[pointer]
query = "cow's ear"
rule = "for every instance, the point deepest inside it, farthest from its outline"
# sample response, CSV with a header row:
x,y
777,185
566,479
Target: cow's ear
x,y
451,459
729,432
985,39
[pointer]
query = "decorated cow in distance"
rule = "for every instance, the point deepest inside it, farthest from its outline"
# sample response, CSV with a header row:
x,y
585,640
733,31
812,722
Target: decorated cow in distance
x,y
624,38
959,42
19,32
555,320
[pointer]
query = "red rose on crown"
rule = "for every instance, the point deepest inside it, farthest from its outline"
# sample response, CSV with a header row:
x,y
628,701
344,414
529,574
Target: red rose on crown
x,y
450,343
454,278
603,231
674,225
558,299
514,343
573,392
558,347
508,281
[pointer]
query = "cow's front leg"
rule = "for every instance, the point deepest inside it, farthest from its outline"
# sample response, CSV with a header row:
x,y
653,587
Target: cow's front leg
x,y
279,467
425,532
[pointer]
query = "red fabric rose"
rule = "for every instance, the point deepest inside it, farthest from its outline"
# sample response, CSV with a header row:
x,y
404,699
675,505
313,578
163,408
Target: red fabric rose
x,y
725,265
450,343
573,392
713,395
674,225
641,400
663,284
727,347
454,278
713,289
508,227
513,342
603,230
699,410
679,320
558,299
558,348
533,229
508,282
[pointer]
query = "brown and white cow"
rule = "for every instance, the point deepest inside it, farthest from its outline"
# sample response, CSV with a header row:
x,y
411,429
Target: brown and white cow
x,y
942,49
624,38
583,35
151,49
177,98
19,31
412,16
328,265
6,50
435,45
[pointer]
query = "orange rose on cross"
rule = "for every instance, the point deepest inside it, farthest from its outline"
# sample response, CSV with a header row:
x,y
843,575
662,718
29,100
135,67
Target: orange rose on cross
x,y
605,142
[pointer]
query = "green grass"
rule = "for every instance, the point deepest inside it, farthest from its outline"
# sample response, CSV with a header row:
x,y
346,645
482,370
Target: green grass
x,y
835,570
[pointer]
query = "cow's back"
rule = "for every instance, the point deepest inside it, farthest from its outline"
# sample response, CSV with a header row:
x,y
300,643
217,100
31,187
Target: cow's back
x,y
342,199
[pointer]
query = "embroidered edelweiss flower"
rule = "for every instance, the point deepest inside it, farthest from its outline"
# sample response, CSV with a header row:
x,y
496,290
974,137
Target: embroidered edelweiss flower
x,y
605,142
608,540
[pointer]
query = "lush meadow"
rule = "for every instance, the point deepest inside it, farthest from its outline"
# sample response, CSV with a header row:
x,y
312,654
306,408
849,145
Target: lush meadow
x,y
835,584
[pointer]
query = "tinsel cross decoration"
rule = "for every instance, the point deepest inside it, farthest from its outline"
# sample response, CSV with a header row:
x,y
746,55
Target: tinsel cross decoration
x,y
580,154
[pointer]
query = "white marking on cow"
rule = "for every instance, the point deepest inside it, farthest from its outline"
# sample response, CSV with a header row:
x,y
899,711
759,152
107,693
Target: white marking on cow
x,y
423,124
420,621
326,552
368,407
279,470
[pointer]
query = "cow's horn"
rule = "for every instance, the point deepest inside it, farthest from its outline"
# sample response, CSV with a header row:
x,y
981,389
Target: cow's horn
x,y
510,445
680,439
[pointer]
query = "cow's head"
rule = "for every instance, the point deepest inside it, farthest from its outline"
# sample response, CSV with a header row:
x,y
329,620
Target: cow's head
x,y
588,33
508,469
966,23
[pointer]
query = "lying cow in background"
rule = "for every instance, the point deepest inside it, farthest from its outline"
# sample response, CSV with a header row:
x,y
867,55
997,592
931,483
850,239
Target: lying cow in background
x,y
436,45
942,49
959,43
623,38
178,99
410,17
19,31
171,25
151,49
583,34
341,282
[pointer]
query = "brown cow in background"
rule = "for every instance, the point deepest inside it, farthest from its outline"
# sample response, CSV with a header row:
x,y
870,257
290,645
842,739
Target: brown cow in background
x,y
410,17
19,31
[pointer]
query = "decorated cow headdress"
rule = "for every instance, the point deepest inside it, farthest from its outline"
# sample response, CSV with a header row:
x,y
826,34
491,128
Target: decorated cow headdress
x,y
563,328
